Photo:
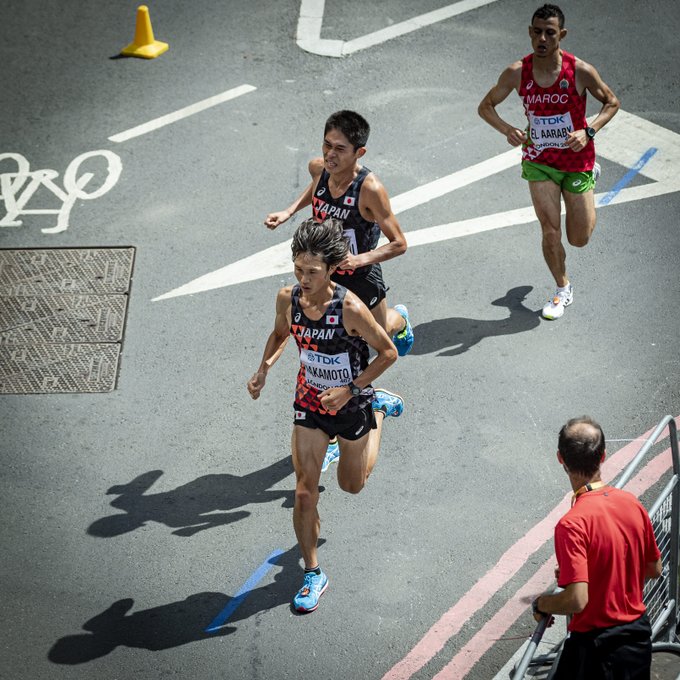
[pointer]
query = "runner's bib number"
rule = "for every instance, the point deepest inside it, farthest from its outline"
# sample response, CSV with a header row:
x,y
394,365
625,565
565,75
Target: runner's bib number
x,y
323,371
551,132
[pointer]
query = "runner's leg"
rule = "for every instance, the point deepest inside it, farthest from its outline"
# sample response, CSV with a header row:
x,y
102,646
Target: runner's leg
x,y
358,457
581,217
545,196
308,446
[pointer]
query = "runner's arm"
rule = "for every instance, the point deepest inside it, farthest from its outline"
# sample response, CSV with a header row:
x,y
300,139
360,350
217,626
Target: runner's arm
x,y
587,78
275,219
374,205
358,320
276,342
509,80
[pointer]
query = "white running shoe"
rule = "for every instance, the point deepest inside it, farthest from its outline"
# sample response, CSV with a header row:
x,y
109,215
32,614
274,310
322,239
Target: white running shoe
x,y
555,308
597,171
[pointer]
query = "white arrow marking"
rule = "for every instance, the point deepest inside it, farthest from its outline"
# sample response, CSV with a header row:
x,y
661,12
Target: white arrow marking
x,y
311,20
625,139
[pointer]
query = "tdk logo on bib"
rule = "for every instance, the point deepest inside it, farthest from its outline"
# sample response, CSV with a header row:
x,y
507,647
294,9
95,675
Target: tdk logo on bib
x,y
323,359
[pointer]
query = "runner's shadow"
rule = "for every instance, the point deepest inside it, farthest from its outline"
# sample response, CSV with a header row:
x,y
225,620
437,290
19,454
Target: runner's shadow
x,y
177,623
459,334
192,507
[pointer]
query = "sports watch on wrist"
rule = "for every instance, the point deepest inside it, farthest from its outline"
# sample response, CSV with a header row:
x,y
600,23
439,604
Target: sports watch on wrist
x,y
590,132
356,391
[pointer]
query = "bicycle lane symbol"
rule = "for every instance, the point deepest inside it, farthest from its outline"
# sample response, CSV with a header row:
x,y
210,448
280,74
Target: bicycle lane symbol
x,y
17,188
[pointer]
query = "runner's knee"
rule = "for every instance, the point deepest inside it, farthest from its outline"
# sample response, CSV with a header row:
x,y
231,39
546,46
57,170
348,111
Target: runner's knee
x,y
353,486
306,498
578,240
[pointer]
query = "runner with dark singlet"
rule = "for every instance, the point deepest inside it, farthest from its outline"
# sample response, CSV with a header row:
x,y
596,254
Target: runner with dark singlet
x,y
343,189
333,330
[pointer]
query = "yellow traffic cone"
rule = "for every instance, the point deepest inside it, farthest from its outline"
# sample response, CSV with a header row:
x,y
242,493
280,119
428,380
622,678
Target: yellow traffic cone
x,y
144,45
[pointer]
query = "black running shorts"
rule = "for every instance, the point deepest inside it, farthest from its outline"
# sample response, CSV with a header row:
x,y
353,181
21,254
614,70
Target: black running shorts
x,y
350,426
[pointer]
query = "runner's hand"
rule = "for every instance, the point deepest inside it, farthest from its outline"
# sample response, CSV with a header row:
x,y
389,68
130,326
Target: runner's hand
x,y
516,137
275,219
334,398
351,262
255,384
577,140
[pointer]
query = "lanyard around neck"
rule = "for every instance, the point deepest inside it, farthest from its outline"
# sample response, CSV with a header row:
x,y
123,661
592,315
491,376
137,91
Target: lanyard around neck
x,y
585,488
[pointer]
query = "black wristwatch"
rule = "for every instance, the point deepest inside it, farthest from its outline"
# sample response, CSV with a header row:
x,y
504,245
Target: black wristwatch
x,y
590,132
535,609
356,391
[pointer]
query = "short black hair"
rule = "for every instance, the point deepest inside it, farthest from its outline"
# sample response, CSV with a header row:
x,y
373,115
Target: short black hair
x,y
354,126
325,239
548,12
581,444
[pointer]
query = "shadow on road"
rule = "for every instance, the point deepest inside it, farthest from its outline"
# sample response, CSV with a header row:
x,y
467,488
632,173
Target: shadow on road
x,y
177,623
458,334
192,507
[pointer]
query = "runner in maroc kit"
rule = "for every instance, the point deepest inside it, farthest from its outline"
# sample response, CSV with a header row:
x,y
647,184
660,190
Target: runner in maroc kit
x,y
558,152
334,397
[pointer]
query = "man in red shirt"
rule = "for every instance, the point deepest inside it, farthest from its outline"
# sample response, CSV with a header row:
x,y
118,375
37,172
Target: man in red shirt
x,y
605,549
558,152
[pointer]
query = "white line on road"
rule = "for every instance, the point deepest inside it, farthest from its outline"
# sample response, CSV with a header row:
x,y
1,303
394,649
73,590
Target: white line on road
x,y
182,113
623,141
311,20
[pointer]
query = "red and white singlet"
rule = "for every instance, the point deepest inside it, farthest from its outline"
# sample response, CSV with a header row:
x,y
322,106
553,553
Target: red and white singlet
x,y
553,112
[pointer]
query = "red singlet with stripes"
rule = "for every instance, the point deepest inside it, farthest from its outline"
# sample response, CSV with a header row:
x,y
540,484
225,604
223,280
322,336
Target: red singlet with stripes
x,y
553,112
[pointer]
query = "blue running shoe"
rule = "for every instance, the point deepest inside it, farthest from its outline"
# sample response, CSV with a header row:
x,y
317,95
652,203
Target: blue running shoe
x,y
332,455
403,340
307,598
390,404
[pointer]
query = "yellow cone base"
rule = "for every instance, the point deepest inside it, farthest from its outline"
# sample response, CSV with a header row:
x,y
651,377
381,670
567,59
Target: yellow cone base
x,y
149,51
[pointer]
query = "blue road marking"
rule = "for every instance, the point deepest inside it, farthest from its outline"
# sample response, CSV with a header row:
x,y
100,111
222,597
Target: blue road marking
x,y
628,177
243,592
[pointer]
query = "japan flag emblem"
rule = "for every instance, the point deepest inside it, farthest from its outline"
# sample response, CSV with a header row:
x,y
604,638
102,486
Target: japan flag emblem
x,y
350,200
332,319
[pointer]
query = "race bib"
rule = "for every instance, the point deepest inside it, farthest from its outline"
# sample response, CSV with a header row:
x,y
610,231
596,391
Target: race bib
x,y
323,371
351,236
550,132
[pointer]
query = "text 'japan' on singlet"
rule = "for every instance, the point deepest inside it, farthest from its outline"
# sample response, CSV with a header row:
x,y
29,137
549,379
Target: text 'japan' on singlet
x,y
329,355
553,112
361,234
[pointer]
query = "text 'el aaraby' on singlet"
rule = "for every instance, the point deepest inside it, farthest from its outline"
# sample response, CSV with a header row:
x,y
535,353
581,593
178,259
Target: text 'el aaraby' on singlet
x,y
329,355
361,234
552,113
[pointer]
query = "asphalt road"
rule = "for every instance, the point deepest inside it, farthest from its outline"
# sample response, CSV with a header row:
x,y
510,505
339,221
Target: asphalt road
x,y
132,519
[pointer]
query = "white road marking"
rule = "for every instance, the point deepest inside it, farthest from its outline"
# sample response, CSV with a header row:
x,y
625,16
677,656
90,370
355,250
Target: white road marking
x,y
15,192
623,141
311,20
182,113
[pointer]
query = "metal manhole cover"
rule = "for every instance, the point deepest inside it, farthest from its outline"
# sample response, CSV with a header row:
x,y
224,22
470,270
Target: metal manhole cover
x,y
65,270
62,318
40,369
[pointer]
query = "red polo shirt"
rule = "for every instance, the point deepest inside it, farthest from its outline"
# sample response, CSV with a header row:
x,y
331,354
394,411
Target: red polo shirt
x,y
606,540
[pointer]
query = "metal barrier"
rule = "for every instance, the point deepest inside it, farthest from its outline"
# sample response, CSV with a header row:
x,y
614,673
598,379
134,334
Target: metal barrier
x,y
660,595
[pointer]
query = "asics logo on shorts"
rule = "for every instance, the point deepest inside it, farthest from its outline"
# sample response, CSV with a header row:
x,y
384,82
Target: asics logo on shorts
x,y
360,430
373,301
576,183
